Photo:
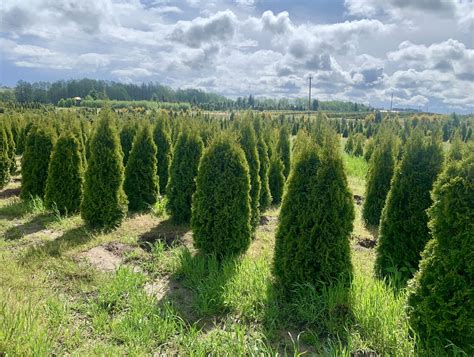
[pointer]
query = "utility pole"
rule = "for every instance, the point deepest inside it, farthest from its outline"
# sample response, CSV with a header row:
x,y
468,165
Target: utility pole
x,y
309,98
391,102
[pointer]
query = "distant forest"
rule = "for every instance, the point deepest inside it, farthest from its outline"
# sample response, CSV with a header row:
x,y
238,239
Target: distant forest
x,y
91,89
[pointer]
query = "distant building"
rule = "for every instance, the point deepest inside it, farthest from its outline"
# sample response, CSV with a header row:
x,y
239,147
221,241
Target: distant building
x,y
77,100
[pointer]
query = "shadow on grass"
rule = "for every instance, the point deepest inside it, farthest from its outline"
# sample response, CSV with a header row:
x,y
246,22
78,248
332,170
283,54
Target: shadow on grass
x,y
205,279
55,248
15,209
306,317
166,231
36,224
9,192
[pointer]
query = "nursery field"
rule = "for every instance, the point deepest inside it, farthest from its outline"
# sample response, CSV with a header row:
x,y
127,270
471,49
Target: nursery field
x,y
158,278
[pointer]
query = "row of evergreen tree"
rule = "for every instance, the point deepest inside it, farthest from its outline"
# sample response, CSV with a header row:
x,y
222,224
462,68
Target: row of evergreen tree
x,y
219,177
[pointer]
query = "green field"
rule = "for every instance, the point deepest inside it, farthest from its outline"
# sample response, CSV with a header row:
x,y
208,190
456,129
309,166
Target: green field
x,y
68,291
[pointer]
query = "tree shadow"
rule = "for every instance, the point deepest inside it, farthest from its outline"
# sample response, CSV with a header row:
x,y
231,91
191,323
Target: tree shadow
x,y
35,225
9,192
15,209
305,316
197,288
57,247
166,231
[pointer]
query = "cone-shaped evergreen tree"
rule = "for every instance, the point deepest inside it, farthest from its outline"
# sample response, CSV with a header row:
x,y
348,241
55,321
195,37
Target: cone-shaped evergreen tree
x,y
141,183
403,227
35,161
221,204
440,299
4,158
183,172
312,240
265,196
248,142
162,139
379,176
65,176
276,179
104,204
127,135
11,148
283,149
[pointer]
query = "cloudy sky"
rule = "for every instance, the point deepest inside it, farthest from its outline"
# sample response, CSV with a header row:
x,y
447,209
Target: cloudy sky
x,y
422,51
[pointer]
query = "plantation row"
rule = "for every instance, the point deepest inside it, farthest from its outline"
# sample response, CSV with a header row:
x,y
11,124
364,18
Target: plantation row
x,y
219,175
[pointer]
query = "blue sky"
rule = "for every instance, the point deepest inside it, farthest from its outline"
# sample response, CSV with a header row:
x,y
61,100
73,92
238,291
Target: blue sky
x,y
359,50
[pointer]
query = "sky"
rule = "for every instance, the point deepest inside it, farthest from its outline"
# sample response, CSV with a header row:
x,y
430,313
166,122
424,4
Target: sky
x,y
421,51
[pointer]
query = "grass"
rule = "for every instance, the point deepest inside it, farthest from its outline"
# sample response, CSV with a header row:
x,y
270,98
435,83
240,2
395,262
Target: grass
x,y
53,302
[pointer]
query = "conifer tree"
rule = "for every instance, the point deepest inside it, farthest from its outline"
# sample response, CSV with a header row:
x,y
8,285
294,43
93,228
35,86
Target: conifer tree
x,y
403,226
265,196
440,306
4,158
35,162
248,142
349,146
379,176
162,137
141,183
183,172
104,204
11,147
312,240
65,176
284,149
127,135
276,179
221,204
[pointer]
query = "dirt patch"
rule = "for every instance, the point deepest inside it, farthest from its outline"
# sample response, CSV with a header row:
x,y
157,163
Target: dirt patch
x,y
167,288
9,192
358,199
107,257
264,220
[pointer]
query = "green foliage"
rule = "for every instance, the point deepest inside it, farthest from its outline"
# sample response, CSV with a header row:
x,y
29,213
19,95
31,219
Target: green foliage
x,y
35,161
440,300
248,142
141,183
312,240
276,179
284,150
379,176
11,148
104,204
65,176
127,135
349,146
4,158
265,197
162,139
221,203
403,226
183,172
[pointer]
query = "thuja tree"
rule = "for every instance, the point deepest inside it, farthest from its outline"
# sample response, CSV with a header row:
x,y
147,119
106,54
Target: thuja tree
x,y
248,142
65,176
162,137
379,176
11,147
440,306
104,204
312,240
141,183
276,179
35,162
221,204
403,227
4,158
265,196
127,135
283,149
183,172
